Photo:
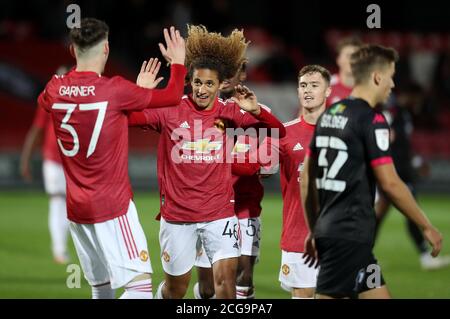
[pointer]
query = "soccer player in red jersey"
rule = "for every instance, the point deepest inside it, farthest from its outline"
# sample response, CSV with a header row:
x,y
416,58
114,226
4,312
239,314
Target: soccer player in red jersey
x,y
342,82
249,192
54,180
313,89
89,113
194,166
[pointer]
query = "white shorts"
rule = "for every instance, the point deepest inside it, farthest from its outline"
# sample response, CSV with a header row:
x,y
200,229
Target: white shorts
x,y
181,242
250,241
294,273
113,251
54,179
251,236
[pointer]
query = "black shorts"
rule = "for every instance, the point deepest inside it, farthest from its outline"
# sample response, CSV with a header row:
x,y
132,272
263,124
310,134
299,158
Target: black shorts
x,y
347,268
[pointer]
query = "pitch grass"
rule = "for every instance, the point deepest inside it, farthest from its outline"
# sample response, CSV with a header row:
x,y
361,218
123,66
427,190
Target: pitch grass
x,y
27,269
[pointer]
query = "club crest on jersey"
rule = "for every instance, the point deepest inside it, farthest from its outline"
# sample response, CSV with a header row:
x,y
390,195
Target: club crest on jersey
x,y
202,146
382,138
143,255
166,256
285,269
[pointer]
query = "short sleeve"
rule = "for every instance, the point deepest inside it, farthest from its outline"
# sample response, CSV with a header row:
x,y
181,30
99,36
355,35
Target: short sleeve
x,y
129,96
376,139
44,99
41,117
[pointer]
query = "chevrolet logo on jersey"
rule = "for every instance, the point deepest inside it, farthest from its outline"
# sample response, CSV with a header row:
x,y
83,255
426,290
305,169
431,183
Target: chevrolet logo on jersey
x,y
202,146
240,148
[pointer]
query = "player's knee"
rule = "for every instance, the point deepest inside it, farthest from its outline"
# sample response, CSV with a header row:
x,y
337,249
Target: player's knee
x,y
176,290
206,291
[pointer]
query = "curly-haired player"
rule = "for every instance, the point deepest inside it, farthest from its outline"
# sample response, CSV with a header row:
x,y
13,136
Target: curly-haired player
x,y
194,173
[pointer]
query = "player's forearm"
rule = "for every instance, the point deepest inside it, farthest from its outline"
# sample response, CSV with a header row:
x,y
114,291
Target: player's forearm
x,y
309,198
171,95
404,201
32,139
310,206
266,119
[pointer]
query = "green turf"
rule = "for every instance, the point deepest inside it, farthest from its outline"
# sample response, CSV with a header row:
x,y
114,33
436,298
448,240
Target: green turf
x,y
27,270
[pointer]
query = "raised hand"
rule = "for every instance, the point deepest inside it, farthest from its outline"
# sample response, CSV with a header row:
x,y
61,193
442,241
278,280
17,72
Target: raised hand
x,y
147,76
246,99
176,48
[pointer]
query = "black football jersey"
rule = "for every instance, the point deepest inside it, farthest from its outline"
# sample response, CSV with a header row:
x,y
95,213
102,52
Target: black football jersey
x,y
350,138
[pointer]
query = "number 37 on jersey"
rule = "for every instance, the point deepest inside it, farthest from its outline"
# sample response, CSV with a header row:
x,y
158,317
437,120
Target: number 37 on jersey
x,y
69,108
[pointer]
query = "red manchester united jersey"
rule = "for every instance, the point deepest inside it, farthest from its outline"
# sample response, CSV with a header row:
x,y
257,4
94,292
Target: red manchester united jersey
x,y
194,157
292,153
89,113
248,189
339,91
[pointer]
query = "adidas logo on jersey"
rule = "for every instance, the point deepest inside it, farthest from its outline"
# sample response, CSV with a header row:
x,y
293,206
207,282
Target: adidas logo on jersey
x,y
297,147
185,125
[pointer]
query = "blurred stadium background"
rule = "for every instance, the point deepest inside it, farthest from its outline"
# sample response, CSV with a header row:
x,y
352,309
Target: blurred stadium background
x,y
284,36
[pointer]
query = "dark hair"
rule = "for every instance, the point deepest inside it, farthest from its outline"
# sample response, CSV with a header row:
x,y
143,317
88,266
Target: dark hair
x,y
211,50
368,58
348,41
90,32
314,68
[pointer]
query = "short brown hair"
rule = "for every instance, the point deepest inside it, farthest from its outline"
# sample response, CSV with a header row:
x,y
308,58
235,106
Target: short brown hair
x,y
369,57
314,68
348,41
90,32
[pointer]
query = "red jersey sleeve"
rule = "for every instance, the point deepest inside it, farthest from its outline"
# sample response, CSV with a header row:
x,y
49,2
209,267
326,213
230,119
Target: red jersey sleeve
x,y
148,119
41,117
44,99
131,97
265,119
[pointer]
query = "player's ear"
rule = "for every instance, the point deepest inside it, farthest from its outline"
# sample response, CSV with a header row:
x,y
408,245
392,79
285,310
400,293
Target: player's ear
x,y
106,48
376,76
328,91
72,51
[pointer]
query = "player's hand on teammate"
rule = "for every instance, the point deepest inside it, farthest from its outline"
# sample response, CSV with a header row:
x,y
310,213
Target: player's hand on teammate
x,y
310,254
246,99
175,52
147,76
434,237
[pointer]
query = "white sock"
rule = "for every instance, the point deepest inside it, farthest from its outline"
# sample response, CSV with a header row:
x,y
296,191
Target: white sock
x,y
301,298
141,289
58,225
159,291
243,292
196,290
197,294
103,292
